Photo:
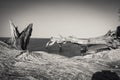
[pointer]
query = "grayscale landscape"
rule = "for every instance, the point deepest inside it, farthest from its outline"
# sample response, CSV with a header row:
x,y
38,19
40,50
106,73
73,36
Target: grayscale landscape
x,y
59,40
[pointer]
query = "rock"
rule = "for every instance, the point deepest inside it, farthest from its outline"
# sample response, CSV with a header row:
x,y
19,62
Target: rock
x,y
68,49
105,75
118,32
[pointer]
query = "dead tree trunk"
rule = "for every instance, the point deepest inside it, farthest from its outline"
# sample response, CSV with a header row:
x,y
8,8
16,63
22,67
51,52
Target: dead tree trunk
x,y
20,40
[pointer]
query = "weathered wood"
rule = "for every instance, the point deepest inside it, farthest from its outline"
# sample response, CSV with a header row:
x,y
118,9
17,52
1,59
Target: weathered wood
x,y
20,40
109,41
40,65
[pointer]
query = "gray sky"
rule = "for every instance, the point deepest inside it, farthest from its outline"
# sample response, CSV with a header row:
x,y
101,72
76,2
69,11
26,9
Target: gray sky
x,y
83,18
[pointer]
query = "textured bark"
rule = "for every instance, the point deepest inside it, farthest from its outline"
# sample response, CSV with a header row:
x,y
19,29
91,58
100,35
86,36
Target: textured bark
x,y
38,65
20,40
108,41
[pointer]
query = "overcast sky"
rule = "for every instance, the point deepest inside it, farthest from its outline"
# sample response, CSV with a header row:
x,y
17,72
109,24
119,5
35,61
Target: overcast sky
x,y
83,18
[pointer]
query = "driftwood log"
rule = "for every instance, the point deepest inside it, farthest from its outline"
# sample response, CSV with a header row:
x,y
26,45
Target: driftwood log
x,y
39,65
108,41
20,40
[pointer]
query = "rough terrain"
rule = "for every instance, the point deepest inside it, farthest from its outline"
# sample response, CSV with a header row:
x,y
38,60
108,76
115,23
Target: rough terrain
x,y
38,65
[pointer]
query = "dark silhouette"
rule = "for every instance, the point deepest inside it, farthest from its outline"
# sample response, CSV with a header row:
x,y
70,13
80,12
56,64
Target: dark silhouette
x,y
118,32
105,75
